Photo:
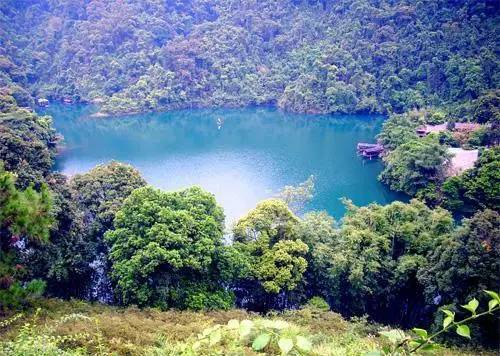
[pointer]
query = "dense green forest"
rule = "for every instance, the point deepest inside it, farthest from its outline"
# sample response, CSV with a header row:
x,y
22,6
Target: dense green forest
x,y
303,55
108,236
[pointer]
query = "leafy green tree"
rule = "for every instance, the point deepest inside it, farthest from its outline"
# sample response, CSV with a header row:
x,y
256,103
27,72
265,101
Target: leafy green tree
x,y
164,249
320,233
396,130
101,192
373,266
268,236
477,188
467,262
24,214
64,261
415,164
27,145
487,108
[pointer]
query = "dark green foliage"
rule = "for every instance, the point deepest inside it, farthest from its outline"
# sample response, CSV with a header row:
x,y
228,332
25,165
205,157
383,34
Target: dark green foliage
x,y
477,188
24,215
27,145
66,257
466,263
415,164
373,266
164,249
306,56
487,108
101,192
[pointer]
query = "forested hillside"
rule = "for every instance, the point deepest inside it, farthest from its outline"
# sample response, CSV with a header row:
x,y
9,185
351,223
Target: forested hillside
x,y
303,55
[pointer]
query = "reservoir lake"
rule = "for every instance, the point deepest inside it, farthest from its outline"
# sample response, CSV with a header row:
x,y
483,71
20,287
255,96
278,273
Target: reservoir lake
x,y
242,156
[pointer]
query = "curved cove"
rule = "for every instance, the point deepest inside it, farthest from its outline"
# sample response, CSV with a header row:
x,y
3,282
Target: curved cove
x,y
240,155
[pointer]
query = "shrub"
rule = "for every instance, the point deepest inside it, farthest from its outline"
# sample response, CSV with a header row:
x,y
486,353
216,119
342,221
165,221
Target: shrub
x,y
318,303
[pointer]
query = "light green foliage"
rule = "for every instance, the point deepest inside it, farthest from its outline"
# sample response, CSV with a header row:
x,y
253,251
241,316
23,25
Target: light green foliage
x,y
477,188
396,130
23,212
282,266
268,235
274,337
318,303
164,248
415,164
35,339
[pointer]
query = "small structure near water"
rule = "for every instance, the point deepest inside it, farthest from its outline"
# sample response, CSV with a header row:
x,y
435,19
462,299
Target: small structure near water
x,y
370,150
427,129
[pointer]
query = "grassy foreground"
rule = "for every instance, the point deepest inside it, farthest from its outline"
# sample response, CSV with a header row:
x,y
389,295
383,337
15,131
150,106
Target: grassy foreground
x,y
80,328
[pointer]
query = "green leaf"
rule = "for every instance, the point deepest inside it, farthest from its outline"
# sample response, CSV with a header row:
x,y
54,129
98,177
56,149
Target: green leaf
x,y
471,306
463,330
492,303
303,344
420,332
429,347
493,295
373,353
447,321
449,313
261,341
414,343
286,345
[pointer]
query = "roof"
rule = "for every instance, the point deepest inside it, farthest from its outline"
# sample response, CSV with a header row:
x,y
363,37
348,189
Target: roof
x,y
466,126
433,128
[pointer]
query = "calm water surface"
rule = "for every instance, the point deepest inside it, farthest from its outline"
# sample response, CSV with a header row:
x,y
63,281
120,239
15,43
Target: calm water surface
x,y
256,152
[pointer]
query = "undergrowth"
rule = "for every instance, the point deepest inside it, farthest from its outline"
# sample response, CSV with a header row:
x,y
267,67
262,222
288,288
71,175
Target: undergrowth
x,y
78,328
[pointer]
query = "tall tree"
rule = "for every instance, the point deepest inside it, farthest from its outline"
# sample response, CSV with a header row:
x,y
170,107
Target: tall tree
x,y
268,236
164,250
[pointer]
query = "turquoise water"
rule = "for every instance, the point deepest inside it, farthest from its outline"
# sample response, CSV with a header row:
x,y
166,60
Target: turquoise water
x,y
256,152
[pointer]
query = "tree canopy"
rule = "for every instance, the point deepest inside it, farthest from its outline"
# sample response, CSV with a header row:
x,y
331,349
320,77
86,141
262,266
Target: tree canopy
x,y
164,248
415,165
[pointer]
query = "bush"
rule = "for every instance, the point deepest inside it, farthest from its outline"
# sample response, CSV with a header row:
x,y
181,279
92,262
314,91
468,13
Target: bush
x,y
318,303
